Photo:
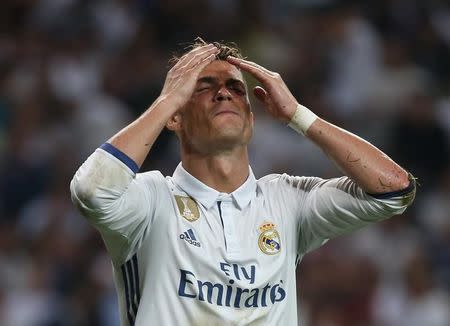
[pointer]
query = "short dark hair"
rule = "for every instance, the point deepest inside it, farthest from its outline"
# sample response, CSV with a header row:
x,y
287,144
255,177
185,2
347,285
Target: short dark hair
x,y
226,49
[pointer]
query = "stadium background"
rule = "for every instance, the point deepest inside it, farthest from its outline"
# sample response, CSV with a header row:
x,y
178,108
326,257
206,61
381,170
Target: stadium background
x,y
73,72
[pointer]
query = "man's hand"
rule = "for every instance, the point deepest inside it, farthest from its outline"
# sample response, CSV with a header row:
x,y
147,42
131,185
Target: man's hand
x,y
274,94
136,139
181,79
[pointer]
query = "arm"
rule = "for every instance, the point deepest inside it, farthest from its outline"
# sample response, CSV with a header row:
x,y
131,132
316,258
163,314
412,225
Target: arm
x,y
322,209
132,144
136,139
106,188
369,167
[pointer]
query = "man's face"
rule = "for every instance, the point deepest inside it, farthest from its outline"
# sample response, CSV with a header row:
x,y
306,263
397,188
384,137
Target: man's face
x,y
217,117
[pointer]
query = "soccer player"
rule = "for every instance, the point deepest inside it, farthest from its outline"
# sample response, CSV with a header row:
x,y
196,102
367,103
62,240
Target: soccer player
x,y
212,245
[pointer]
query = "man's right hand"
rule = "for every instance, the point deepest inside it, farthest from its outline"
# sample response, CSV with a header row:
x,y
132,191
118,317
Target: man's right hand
x,y
182,78
137,138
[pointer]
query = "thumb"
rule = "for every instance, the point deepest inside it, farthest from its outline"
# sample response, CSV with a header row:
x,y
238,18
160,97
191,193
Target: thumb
x,y
261,94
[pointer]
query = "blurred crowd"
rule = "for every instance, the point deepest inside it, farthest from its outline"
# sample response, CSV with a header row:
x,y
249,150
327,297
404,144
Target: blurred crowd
x,y
74,72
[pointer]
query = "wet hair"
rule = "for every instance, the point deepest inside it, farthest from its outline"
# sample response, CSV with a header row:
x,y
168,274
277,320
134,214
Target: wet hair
x,y
226,49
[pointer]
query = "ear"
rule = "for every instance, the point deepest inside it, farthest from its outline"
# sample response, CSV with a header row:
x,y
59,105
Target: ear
x,y
174,123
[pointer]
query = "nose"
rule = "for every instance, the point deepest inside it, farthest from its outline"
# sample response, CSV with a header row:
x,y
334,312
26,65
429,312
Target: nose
x,y
222,94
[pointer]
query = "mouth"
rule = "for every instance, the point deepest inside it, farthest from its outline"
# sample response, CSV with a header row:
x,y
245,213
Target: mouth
x,y
226,109
222,112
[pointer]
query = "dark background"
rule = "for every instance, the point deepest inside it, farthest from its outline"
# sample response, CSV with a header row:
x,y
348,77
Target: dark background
x,y
74,72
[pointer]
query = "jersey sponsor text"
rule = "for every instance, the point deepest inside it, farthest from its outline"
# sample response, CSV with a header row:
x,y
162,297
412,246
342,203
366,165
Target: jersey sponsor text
x,y
230,295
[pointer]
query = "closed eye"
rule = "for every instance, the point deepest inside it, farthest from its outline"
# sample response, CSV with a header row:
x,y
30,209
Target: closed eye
x,y
202,88
237,86
238,89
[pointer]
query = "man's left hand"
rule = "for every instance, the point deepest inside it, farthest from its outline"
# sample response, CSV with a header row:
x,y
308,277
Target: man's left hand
x,y
274,94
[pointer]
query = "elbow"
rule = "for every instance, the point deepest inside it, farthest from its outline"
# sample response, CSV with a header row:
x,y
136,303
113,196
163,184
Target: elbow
x,y
78,193
411,189
99,182
82,192
408,189
403,181
408,181
404,187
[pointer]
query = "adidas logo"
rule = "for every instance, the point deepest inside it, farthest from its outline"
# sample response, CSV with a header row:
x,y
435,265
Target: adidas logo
x,y
190,238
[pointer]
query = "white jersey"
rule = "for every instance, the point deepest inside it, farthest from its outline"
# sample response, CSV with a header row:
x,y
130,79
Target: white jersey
x,y
186,254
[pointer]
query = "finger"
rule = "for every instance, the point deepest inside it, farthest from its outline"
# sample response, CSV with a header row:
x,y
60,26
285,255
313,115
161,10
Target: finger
x,y
259,72
199,58
254,64
203,63
261,94
188,56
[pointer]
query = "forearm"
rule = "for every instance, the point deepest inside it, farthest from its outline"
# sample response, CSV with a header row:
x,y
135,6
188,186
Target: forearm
x,y
369,167
136,139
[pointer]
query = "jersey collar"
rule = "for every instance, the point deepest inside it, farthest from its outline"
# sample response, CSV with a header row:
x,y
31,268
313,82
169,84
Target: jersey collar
x,y
208,196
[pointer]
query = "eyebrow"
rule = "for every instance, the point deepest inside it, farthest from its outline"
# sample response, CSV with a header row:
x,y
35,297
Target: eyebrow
x,y
213,80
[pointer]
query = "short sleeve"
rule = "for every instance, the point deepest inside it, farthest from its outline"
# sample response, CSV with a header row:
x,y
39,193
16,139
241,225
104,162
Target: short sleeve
x,y
119,203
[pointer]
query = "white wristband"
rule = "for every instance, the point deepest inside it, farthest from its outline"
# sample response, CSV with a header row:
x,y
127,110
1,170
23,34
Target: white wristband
x,y
303,119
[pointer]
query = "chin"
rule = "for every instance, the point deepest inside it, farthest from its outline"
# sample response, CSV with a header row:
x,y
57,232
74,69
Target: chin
x,y
230,130
233,137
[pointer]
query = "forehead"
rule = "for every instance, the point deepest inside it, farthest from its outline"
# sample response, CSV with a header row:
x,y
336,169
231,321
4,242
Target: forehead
x,y
222,70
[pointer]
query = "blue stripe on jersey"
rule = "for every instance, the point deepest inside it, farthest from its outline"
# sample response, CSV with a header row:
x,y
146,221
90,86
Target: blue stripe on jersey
x,y
124,158
192,234
127,295
397,193
219,204
186,235
130,274
136,278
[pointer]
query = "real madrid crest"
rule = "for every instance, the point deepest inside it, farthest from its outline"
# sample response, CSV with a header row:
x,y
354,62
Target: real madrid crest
x,y
188,208
269,240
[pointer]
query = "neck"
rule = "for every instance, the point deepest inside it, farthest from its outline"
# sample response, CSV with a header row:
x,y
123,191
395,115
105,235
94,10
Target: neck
x,y
224,172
